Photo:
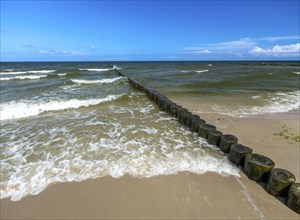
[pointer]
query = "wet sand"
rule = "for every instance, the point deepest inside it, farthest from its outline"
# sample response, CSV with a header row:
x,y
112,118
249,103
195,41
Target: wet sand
x,y
181,196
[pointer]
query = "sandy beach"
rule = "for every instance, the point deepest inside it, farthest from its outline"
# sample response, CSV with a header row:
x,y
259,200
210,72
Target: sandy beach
x,y
260,132
99,106
181,196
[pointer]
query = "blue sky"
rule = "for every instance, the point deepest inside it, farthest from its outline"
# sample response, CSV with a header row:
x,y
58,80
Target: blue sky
x,y
149,30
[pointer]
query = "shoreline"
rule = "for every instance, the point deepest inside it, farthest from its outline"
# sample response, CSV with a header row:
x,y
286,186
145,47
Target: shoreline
x,y
260,132
183,195
180,196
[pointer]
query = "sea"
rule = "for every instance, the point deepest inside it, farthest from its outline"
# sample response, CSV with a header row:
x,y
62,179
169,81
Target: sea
x,y
72,121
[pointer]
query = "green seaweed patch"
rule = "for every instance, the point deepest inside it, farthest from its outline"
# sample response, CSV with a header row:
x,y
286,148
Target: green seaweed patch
x,y
288,135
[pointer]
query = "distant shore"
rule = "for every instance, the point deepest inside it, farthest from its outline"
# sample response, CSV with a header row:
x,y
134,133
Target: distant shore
x,y
184,195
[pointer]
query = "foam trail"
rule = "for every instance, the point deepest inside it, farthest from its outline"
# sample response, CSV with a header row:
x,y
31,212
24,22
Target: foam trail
x,y
278,102
23,77
26,108
201,71
25,72
256,97
13,73
298,73
31,179
101,81
250,200
62,74
41,71
94,70
142,150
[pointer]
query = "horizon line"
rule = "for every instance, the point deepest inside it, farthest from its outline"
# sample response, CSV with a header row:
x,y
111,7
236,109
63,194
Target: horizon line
x,y
111,61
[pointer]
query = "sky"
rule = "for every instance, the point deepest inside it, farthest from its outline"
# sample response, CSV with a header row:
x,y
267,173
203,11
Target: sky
x,y
134,30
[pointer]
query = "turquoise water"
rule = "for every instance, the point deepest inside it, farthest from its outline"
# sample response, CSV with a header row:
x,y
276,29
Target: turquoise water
x,y
73,121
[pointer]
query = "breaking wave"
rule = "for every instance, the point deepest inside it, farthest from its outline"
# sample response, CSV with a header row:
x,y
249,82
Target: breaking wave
x,y
27,108
95,69
100,81
22,77
25,72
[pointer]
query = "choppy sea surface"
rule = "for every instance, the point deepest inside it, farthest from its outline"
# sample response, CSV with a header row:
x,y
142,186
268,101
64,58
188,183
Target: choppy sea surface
x,y
70,121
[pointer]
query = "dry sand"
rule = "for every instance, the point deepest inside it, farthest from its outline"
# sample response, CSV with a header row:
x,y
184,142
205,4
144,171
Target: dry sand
x,y
180,196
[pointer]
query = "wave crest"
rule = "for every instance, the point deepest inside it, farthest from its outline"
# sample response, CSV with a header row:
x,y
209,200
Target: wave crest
x,y
25,72
201,71
100,81
94,69
22,77
27,108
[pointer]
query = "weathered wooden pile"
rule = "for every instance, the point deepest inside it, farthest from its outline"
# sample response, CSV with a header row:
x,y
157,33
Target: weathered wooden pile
x,y
278,182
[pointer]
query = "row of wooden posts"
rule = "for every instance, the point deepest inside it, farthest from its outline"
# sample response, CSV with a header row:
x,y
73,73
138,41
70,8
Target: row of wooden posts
x,y
279,182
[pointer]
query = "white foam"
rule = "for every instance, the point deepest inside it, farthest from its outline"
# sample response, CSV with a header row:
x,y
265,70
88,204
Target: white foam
x,y
209,64
25,72
94,69
116,68
27,108
101,81
146,130
277,102
41,71
13,73
201,71
23,77
138,160
144,149
298,73
62,74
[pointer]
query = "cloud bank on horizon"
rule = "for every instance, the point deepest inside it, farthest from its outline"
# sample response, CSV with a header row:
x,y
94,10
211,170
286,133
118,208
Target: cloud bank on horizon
x,y
247,47
149,30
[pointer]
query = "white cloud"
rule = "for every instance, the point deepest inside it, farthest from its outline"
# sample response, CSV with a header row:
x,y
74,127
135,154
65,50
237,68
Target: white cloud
x,y
44,51
62,52
203,51
247,46
285,50
240,44
243,43
231,47
280,38
196,51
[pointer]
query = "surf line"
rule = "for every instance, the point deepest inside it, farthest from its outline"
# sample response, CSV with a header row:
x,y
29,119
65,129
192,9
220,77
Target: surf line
x,y
278,182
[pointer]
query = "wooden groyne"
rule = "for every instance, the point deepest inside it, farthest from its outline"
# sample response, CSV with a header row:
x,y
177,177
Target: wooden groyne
x,y
278,182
